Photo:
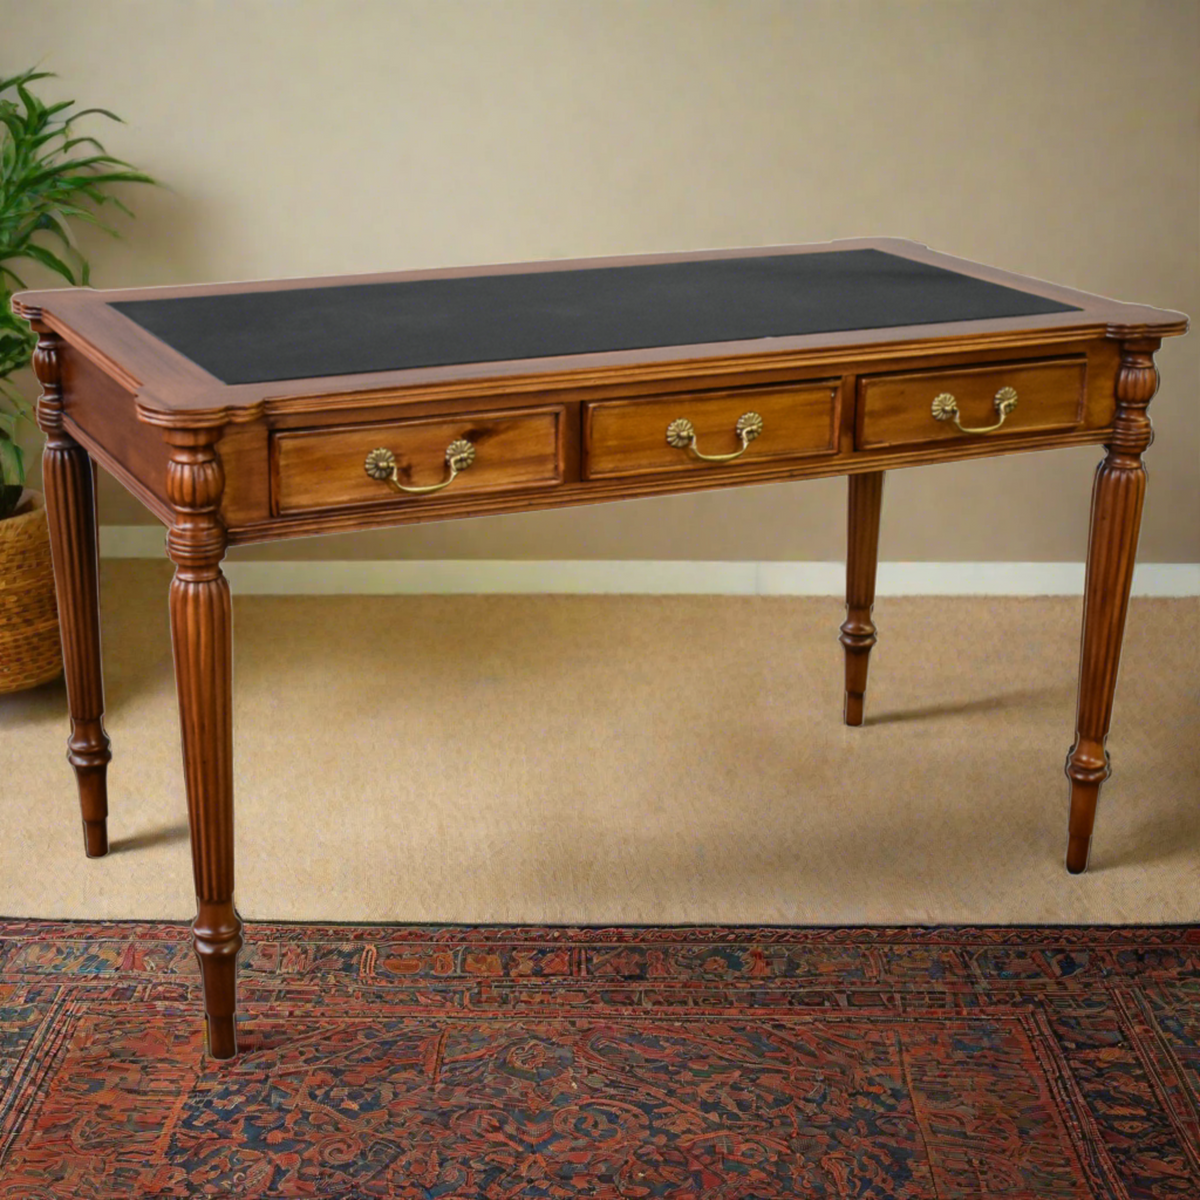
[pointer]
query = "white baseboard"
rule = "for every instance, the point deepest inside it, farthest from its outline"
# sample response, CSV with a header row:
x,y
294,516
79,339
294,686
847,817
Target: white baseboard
x,y
638,577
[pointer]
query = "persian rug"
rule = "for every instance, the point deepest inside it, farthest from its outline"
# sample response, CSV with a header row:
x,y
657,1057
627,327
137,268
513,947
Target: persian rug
x,y
725,1063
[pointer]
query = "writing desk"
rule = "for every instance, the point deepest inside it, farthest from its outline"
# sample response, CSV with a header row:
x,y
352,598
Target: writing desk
x,y
248,412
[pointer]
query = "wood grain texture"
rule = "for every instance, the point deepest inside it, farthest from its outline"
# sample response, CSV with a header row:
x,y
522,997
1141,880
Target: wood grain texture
x,y
202,639
628,437
247,503
70,488
174,391
449,507
858,633
1117,497
101,413
322,469
895,409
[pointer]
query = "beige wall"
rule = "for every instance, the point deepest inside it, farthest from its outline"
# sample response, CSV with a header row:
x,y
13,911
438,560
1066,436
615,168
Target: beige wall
x,y
1057,139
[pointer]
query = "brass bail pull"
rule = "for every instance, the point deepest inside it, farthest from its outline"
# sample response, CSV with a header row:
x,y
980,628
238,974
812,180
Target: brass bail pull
x,y
381,465
945,408
681,434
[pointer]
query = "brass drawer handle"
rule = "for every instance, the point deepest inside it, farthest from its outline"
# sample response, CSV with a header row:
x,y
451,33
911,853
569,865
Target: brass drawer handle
x,y
945,408
681,434
381,465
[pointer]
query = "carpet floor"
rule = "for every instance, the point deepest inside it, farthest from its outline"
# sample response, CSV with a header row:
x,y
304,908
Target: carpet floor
x,y
525,1062
624,759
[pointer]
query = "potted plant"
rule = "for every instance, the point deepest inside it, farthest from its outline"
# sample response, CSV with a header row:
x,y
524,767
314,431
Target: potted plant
x,y
50,176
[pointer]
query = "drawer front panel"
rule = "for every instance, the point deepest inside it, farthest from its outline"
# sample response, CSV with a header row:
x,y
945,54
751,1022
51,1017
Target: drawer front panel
x,y
898,409
323,468
629,437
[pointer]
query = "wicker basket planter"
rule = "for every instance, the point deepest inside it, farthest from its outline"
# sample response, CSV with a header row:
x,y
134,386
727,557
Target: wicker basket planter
x,y
30,649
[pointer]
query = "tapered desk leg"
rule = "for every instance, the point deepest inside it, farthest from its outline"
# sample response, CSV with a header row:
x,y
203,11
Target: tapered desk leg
x,y
862,558
202,637
69,485
1117,496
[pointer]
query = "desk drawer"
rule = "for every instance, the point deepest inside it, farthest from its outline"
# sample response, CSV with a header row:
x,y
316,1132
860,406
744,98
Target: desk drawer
x,y
325,468
669,433
899,409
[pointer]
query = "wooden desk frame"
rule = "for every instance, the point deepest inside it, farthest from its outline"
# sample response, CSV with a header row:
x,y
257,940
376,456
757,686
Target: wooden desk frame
x,y
200,456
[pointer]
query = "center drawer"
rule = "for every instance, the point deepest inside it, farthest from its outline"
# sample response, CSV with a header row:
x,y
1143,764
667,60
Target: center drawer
x,y
675,432
515,449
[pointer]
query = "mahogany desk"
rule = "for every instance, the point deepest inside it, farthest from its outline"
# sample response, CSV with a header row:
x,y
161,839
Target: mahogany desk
x,y
247,412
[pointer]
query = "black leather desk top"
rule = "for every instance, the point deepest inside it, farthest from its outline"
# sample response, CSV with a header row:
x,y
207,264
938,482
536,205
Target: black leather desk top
x,y
254,337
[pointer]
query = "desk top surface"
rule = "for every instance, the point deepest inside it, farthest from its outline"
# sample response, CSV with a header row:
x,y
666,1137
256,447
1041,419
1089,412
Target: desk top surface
x,y
355,329
186,348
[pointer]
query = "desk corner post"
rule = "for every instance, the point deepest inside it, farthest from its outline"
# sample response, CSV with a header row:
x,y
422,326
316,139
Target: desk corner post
x,y
202,638
70,486
862,559
1117,497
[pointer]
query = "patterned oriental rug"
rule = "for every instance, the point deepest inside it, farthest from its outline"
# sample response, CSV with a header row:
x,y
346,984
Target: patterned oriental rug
x,y
726,1063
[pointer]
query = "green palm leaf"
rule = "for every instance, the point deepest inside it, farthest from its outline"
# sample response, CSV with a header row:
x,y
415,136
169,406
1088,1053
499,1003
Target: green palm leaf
x,y
50,177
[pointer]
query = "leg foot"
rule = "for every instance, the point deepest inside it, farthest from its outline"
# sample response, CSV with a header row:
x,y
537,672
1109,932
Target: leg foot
x,y
1087,768
220,1036
217,938
91,773
858,630
1078,849
95,838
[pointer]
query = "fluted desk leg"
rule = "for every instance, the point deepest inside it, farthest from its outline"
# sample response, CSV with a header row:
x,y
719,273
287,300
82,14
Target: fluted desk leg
x,y
70,487
202,636
1117,496
862,558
